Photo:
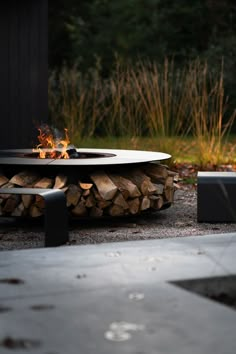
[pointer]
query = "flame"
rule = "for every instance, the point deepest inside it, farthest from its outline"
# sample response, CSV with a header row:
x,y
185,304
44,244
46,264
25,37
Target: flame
x,y
57,146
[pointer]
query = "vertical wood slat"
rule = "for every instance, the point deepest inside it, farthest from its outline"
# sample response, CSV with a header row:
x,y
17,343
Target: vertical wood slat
x,y
13,78
23,71
43,57
34,64
4,70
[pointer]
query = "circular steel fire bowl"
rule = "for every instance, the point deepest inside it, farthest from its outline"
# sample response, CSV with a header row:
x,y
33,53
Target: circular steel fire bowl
x,y
87,157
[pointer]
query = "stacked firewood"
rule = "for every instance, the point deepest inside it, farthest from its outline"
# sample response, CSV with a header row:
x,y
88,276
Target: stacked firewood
x,y
129,192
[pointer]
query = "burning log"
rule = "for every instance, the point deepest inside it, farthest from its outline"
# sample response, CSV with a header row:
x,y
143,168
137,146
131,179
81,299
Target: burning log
x,y
128,192
72,153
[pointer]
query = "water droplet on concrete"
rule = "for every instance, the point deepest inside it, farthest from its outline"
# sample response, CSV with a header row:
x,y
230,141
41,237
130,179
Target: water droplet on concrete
x,y
113,254
120,331
152,259
81,276
152,269
125,326
117,336
149,259
136,296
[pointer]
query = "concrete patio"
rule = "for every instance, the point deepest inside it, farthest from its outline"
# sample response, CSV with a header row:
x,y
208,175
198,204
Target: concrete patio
x,y
117,298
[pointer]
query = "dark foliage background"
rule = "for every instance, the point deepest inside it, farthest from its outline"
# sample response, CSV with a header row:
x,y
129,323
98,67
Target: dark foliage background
x,y
95,32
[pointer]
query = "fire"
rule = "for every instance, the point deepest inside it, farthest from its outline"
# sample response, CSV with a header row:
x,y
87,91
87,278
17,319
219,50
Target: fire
x,y
57,146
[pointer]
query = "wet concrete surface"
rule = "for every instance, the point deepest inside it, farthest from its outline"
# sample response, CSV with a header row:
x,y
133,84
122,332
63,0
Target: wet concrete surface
x,y
122,298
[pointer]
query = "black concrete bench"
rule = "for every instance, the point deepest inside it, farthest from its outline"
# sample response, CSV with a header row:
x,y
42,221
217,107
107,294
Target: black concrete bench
x,y
55,213
216,197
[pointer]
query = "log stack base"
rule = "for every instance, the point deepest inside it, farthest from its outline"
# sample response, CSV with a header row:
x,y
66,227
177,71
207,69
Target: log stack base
x,y
130,191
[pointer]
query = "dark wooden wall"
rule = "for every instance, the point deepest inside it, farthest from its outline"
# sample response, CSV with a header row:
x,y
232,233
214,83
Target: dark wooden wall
x,y
23,70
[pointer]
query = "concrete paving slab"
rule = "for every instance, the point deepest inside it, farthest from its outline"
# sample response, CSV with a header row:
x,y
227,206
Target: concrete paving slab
x,y
116,298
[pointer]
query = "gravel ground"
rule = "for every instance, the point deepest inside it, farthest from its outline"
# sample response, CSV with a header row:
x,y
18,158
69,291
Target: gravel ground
x,y
178,221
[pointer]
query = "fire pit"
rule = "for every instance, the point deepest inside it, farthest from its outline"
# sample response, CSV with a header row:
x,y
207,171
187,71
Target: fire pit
x,y
96,182
81,157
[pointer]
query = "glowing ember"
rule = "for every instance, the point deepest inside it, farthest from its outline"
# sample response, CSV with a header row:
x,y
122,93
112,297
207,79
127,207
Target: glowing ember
x,y
58,146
